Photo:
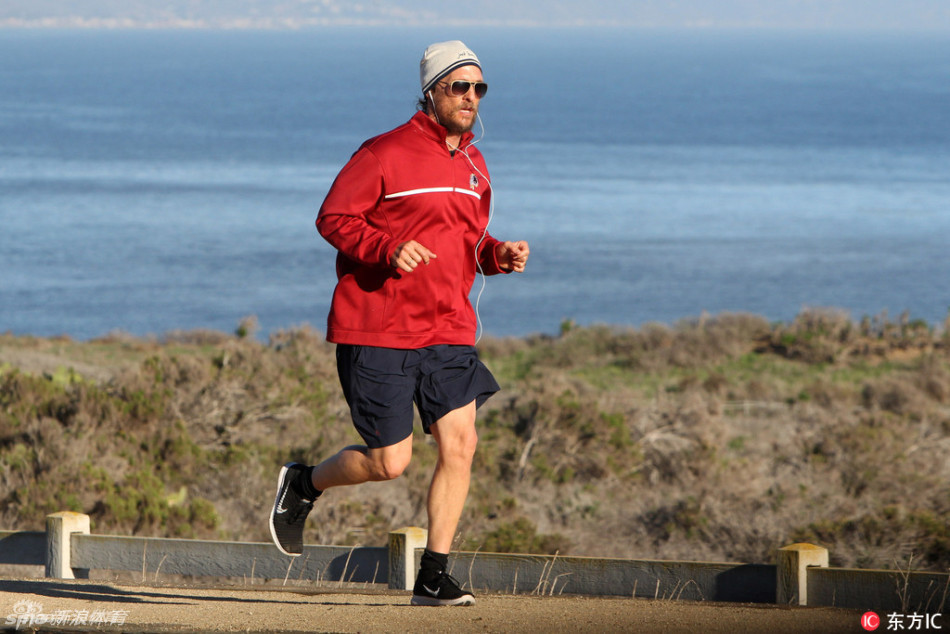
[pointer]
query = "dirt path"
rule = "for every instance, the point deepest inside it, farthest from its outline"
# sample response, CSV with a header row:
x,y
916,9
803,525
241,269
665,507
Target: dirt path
x,y
114,607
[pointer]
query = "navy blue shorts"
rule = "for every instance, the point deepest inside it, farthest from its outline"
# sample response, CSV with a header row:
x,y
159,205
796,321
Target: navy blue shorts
x,y
381,384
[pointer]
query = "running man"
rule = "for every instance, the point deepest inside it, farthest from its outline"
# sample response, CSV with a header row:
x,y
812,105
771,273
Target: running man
x,y
408,215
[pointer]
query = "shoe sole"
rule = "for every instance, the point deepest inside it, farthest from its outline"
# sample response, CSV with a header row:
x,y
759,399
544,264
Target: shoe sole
x,y
432,601
273,511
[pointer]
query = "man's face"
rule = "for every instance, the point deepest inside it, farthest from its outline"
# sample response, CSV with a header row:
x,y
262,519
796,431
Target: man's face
x,y
457,114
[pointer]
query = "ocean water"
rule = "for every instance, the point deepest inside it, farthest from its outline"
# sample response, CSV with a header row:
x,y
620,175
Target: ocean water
x,y
167,180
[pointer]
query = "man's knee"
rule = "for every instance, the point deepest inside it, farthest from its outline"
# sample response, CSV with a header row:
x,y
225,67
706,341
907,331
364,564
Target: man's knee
x,y
468,444
390,468
388,463
459,447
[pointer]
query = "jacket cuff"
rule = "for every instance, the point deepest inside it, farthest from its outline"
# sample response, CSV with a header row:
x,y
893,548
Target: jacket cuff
x,y
490,263
386,251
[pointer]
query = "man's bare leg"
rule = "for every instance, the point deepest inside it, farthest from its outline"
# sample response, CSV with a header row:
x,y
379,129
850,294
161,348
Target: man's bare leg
x,y
352,465
456,438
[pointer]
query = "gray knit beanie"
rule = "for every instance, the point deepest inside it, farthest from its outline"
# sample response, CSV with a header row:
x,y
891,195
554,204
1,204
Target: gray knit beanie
x,y
442,58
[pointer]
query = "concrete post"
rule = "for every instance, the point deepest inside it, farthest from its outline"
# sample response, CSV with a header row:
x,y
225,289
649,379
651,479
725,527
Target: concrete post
x,y
792,571
59,530
402,556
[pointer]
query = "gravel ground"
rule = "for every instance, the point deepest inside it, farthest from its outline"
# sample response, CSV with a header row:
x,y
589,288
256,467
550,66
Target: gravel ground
x,y
118,607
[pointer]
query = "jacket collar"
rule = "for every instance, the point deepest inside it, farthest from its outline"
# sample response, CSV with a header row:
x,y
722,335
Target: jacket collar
x,y
437,132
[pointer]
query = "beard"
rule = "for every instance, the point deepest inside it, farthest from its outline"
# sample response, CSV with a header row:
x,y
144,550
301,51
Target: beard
x,y
455,124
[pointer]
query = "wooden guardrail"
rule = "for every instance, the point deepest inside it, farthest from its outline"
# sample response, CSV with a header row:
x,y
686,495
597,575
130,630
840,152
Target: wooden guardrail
x,y
801,575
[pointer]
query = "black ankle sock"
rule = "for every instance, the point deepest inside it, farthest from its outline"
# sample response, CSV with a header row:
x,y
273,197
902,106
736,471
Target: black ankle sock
x,y
433,564
304,485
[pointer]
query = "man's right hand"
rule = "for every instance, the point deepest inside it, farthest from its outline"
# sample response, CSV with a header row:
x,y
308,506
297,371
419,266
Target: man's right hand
x,y
410,254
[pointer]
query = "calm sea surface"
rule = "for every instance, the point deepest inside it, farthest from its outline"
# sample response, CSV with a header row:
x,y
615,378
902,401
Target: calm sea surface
x,y
154,181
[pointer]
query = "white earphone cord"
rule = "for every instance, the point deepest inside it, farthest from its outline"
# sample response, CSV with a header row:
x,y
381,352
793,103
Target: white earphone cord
x,y
478,245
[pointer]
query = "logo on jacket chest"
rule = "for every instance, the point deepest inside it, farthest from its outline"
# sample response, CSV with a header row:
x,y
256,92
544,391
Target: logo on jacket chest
x,y
473,182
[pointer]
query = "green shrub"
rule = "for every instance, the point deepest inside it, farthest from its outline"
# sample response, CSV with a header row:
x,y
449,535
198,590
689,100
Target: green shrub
x,y
521,536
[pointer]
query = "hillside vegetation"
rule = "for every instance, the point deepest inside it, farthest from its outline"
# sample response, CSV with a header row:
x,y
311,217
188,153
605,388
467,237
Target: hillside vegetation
x,y
718,438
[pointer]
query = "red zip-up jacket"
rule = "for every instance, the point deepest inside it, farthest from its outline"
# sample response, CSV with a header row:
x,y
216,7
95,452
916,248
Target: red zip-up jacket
x,y
406,185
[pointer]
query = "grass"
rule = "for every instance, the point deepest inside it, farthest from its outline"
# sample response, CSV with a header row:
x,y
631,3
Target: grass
x,y
718,438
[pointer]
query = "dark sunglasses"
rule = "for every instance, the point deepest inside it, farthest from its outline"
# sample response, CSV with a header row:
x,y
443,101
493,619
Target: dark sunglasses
x,y
459,88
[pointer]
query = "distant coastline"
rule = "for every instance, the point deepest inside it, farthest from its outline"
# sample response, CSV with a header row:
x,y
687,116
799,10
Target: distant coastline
x,y
291,24
297,23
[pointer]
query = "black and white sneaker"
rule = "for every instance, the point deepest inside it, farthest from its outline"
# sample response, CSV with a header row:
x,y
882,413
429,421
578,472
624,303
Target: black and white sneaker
x,y
442,590
290,511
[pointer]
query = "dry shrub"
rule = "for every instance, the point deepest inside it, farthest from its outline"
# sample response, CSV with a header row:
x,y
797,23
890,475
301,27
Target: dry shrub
x,y
933,379
711,339
675,437
499,347
899,396
817,335
584,346
196,337
654,347
828,395
124,338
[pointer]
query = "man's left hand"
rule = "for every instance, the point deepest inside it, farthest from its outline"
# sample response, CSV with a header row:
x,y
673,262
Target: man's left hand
x,y
512,256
